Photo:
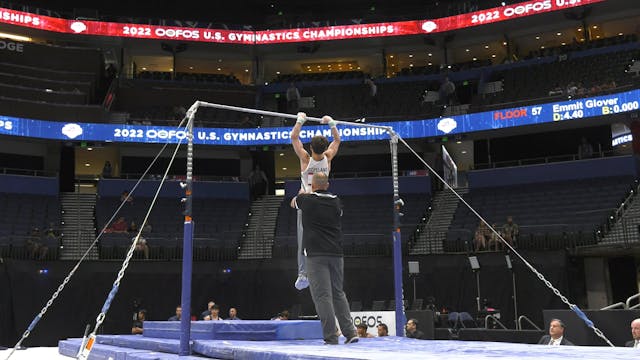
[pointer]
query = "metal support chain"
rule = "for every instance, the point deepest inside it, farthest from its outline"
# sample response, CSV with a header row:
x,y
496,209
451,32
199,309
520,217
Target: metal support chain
x,y
116,284
573,307
66,280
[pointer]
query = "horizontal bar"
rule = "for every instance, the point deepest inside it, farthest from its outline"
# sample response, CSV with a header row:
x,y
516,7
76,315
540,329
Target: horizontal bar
x,y
279,114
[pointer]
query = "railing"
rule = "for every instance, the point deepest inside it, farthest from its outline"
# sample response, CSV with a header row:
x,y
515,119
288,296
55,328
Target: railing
x,y
542,160
618,216
135,176
624,305
26,247
222,248
495,319
617,305
354,245
28,172
553,236
522,317
631,298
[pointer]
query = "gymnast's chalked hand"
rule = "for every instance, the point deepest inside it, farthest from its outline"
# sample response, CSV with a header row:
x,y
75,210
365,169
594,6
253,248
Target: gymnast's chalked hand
x,y
326,119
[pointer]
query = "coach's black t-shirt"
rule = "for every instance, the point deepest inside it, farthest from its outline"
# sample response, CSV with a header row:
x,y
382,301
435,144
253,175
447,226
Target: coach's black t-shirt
x,y
321,223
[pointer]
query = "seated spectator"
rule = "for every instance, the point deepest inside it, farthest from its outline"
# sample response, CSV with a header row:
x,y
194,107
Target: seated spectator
x,y
557,90
133,227
147,228
284,315
119,226
51,231
581,90
178,314
412,330
383,330
208,311
35,248
572,89
556,335
233,314
142,246
494,241
431,304
125,196
361,330
215,313
481,237
138,324
510,231
635,333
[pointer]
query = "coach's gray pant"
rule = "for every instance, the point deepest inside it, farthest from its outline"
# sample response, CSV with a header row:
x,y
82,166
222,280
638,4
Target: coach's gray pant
x,y
301,258
325,275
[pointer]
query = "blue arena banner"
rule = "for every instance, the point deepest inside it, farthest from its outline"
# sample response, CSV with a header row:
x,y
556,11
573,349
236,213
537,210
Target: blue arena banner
x,y
489,120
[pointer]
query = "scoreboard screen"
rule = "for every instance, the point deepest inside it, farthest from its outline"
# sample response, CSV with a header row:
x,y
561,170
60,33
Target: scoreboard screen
x,y
569,110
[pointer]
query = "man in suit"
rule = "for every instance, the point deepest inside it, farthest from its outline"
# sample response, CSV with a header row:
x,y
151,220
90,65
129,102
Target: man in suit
x,y
412,329
635,333
178,314
556,334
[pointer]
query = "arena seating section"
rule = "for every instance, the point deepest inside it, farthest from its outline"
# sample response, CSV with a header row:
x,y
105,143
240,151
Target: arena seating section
x,y
367,224
189,77
147,102
219,227
65,81
21,214
536,81
553,215
345,95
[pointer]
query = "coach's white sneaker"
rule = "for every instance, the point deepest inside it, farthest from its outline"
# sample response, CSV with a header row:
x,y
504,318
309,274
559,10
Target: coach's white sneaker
x,y
302,282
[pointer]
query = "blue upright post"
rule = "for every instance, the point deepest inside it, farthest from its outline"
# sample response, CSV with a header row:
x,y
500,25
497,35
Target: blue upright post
x,y
187,249
397,239
185,321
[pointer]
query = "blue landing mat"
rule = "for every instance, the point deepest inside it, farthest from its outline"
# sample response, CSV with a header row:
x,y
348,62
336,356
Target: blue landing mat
x,y
256,330
403,348
141,342
109,352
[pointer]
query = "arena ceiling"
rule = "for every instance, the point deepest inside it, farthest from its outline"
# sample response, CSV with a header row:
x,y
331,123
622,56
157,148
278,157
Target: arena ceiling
x,y
261,13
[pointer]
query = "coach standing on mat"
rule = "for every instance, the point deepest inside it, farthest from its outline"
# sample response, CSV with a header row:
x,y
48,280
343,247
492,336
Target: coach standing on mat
x,y
320,160
322,240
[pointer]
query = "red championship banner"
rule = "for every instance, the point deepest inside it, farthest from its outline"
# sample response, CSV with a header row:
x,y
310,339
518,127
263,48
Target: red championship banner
x,y
360,31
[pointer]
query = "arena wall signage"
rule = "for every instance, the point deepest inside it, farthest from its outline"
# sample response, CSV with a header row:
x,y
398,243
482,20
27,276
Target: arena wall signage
x,y
373,318
359,31
489,120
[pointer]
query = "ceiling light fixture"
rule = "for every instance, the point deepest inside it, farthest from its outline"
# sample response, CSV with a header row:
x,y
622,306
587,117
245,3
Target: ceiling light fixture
x,y
14,37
